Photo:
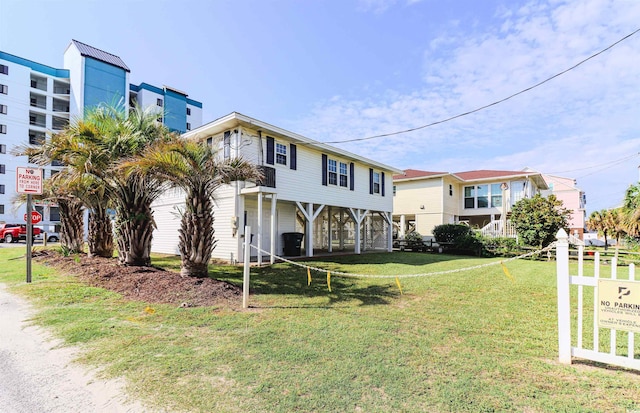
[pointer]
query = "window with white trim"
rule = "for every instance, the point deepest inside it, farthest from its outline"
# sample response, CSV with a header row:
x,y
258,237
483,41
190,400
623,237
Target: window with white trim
x,y
1,209
2,189
3,109
281,154
3,148
332,167
3,169
4,70
188,111
376,182
483,196
3,128
159,102
343,174
4,89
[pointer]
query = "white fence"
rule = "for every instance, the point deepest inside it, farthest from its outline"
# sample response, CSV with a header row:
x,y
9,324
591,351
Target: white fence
x,y
616,308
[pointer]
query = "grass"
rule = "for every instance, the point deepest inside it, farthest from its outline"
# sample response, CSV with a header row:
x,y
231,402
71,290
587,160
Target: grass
x,y
471,341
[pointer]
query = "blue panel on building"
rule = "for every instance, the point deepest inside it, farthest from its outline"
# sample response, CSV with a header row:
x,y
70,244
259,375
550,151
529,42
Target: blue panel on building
x,y
103,83
175,107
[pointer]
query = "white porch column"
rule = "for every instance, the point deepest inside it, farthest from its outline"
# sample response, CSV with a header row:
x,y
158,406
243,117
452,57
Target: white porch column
x,y
330,237
274,234
309,230
310,216
259,228
403,226
341,229
240,224
358,216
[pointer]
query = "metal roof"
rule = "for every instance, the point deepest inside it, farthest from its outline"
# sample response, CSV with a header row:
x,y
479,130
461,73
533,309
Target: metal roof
x,y
90,51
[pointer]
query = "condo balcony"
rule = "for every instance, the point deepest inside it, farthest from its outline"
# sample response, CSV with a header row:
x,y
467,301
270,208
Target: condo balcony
x,y
37,101
37,119
38,82
61,88
60,105
58,123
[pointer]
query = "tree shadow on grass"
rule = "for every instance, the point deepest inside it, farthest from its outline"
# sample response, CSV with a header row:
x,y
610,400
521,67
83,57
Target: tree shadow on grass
x,y
294,281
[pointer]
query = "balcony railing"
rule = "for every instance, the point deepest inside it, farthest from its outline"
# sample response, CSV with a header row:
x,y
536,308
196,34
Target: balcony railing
x,y
268,177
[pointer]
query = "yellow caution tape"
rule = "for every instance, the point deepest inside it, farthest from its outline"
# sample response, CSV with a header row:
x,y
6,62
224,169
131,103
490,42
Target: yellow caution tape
x,y
506,272
399,286
329,280
308,276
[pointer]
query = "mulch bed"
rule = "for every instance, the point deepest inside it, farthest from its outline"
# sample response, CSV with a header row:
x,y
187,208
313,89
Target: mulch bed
x,y
148,284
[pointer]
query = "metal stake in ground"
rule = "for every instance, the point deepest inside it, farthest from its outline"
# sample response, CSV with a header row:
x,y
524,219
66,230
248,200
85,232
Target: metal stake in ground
x,y
247,264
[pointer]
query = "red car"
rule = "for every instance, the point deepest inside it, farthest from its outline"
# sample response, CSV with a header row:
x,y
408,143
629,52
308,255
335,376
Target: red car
x,y
14,232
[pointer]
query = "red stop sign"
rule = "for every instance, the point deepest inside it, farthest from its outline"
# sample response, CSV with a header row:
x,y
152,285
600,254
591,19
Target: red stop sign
x,y
36,217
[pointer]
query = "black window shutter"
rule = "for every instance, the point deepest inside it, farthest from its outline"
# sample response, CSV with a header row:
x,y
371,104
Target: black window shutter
x,y
352,178
293,163
270,150
324,169
370,181
382,179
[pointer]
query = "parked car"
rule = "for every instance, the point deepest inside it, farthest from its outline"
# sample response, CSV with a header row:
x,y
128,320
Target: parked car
x,y
13,232
51,236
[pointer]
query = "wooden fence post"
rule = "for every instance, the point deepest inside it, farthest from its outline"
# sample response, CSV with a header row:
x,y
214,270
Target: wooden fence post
x,y
564,315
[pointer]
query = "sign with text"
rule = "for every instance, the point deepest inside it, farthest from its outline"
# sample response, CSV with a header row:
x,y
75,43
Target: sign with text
x,y
36,217
619,305
29,181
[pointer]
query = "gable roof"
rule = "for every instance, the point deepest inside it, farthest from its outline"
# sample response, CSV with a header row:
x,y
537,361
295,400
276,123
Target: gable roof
x,y
90,51
416,173
490,174
474,176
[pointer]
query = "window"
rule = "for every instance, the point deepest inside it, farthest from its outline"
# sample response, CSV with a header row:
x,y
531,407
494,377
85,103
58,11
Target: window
x,y
188,111
188,126
159,102
469,197
54,214
226,144
496,196
3,128
450,190
3,169
3,148
333,172
281,154
376,182
343,174
3,109
4,89
1,188
394,190
1,209
210,141
483,196
4,69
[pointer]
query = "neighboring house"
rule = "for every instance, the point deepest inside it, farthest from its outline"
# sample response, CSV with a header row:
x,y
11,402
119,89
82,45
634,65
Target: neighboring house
x,y
573,198
36,100
339,201
481,199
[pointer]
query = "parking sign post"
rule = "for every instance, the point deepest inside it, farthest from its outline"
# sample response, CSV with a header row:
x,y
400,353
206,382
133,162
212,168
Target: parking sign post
x,y
29,181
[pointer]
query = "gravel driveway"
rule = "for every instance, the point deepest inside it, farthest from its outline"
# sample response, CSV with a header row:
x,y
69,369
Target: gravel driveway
x,y
37,375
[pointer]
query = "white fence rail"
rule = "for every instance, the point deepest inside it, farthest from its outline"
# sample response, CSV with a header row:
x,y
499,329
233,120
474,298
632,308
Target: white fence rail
x,y
616,303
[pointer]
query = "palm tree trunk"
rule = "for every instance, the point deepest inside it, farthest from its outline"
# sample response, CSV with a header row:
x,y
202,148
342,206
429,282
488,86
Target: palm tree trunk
x,y
197,235
134,230
72,228
100,237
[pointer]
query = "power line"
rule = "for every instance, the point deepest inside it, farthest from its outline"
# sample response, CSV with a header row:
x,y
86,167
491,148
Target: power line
x,y
490,104
609,163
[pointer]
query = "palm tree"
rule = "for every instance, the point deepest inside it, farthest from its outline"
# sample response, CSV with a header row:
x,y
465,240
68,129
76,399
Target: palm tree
x,y
631,208
615,221
596,222
198,170
76,148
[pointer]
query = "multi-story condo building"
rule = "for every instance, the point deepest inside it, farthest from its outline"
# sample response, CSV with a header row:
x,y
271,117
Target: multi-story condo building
x,y
37,99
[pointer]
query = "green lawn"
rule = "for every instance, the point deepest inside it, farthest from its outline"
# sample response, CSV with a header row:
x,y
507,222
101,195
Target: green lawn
x,y
471,341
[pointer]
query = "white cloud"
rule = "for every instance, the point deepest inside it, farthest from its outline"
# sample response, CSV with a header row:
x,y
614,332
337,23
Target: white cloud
x,y
587,116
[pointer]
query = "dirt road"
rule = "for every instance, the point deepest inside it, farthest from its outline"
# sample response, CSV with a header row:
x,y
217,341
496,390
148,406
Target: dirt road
x,y
37,375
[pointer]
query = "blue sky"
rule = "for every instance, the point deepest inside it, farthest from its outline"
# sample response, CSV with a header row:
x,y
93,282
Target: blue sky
x,y
344,69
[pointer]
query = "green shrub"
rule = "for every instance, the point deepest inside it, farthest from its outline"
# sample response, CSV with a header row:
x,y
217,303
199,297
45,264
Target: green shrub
x,y
451,233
